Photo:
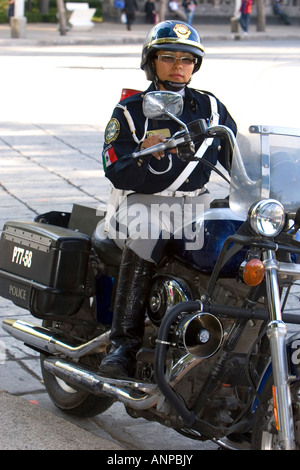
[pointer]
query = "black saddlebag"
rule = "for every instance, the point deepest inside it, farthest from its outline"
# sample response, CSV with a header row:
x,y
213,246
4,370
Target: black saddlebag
x,y
43,268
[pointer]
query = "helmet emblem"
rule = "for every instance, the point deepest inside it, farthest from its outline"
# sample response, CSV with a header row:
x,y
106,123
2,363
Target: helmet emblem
x,y
182,31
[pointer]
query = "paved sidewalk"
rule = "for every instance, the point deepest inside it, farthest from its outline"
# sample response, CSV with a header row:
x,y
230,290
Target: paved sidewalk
x,y
116,33
26,426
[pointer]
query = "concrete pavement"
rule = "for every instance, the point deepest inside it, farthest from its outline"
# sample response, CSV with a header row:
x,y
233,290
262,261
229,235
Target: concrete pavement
x,y
116,33
26,426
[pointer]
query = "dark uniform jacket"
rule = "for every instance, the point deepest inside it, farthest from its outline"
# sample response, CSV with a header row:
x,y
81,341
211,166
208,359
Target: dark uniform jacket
x,y
150,175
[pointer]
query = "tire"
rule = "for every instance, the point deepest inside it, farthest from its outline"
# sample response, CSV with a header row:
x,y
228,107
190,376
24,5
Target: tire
x,y
72,401
264,433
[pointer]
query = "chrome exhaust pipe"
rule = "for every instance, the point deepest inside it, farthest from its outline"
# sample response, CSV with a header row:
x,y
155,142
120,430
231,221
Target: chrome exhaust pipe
x,y
137,395
44,340
91,382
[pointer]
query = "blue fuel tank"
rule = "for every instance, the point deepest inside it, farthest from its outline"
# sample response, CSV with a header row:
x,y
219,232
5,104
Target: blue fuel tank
x,y
210,233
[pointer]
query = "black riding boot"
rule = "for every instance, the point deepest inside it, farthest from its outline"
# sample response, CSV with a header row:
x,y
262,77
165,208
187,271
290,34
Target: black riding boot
x,y
128,320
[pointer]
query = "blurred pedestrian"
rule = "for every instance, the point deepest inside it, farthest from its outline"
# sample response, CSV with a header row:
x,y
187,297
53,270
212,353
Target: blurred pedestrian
x,y
189,7
278,11
177,9
246,9
150,12
235,19
130,9
11,8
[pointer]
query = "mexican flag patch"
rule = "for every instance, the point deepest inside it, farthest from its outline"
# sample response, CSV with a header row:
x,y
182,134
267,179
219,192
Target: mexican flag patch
x,y
108,156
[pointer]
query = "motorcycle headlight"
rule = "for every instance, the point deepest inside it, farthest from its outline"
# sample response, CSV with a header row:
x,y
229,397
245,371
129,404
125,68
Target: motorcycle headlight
x,y
267,217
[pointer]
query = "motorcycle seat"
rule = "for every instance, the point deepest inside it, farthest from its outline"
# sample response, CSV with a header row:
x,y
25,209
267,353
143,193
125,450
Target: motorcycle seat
x,y
106,248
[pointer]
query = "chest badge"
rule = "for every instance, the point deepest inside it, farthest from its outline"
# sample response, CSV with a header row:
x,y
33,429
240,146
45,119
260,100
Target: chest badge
x,y
165,132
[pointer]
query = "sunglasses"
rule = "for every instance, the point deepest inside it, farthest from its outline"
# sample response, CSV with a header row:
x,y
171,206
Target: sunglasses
x,y
171,59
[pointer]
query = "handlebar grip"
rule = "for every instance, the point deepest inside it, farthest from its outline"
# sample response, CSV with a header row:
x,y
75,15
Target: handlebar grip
x,y
150,150
171,143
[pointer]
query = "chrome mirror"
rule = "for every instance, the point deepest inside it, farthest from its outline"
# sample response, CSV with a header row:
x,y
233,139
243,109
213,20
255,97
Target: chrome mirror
x,y
162,105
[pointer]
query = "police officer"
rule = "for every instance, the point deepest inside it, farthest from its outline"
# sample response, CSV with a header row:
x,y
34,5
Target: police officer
x,y
171,54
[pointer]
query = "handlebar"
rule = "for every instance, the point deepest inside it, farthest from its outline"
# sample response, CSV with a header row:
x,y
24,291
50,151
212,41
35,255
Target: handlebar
x,y
184,136
173,142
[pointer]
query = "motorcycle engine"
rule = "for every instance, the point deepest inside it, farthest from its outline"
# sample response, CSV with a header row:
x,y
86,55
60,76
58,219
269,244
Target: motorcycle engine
x,y
199,334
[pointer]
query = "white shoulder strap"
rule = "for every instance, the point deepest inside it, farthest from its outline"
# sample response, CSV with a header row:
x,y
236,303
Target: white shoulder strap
x,y
131,123
214,120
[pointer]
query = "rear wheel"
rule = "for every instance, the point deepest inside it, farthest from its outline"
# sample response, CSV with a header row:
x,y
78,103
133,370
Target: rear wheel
x,y
72,401
66,397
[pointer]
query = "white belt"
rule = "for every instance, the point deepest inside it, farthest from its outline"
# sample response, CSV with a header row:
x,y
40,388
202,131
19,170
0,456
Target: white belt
x,y
168,193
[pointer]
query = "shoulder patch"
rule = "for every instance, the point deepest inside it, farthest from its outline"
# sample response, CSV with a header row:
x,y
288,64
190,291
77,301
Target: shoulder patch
x,y
112,131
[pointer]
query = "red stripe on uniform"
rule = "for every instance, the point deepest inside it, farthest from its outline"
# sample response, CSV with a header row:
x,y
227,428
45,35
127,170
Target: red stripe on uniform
x,y
112,155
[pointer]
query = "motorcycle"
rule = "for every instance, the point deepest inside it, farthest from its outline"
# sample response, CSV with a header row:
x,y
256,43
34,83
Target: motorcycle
x,y
217,362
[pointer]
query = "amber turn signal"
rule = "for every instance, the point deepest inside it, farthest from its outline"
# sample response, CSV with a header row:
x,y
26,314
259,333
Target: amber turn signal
x,y
275,407
253,272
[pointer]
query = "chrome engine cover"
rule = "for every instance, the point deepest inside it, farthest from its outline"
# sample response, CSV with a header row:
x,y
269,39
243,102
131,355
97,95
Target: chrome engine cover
x,y
166,291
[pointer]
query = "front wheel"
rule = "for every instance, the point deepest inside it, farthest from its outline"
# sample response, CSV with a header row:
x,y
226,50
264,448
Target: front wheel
x,y
264,433
72,401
